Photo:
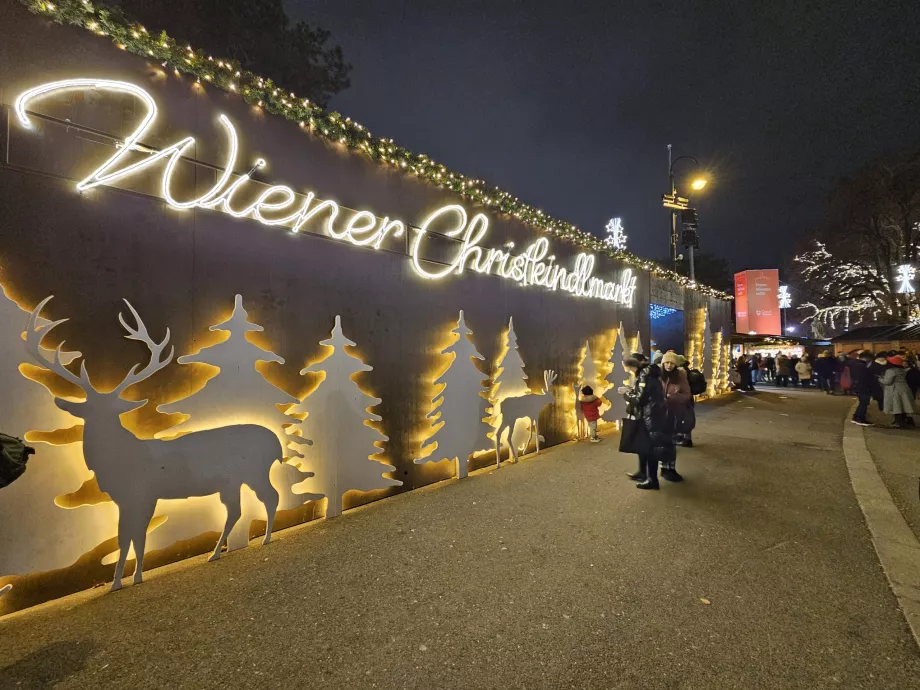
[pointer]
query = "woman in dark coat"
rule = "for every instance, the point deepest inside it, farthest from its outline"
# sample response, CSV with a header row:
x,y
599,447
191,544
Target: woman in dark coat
x,y
646,402
744,371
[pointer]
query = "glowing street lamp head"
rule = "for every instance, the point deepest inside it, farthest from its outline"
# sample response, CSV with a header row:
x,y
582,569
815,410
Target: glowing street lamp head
x,y
698,183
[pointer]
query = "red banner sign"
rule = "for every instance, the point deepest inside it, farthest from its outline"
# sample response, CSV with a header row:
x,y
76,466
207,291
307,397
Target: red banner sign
x,y
757,302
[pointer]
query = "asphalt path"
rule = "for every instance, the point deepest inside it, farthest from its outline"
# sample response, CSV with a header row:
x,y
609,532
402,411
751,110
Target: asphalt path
x,y
756,572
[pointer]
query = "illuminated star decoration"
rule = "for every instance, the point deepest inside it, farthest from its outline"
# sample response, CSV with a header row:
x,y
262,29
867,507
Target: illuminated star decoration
x,y
906,273
785,299
616,238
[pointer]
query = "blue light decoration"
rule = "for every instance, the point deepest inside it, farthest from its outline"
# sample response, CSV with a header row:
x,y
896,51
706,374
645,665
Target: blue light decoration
x,y
659,311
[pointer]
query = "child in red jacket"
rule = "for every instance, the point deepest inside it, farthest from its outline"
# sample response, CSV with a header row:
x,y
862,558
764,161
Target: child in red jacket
x,y
590,406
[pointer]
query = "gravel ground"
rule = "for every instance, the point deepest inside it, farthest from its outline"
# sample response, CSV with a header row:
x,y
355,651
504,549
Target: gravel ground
x,y
757,572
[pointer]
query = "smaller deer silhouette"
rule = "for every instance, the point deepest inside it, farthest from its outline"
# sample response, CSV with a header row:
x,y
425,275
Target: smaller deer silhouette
x,y
528,405
137,473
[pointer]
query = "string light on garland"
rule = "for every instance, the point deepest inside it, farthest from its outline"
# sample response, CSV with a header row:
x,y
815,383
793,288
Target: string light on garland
x,y
262,92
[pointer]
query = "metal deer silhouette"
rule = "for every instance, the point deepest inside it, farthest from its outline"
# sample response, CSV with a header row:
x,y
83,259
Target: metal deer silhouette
x,y
528,405
137,473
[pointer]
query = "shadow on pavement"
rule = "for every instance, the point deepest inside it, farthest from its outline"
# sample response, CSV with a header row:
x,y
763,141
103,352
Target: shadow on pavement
x,y
47,666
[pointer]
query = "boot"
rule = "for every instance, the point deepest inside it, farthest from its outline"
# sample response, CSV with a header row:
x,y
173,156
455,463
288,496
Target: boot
x,y
671,476
648,484
639,475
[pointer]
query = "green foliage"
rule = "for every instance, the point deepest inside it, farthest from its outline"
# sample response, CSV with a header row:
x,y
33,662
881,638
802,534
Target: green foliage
x,y
257,34
263,92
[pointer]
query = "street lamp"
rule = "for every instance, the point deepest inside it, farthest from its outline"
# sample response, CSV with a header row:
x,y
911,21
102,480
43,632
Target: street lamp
x,y
675,203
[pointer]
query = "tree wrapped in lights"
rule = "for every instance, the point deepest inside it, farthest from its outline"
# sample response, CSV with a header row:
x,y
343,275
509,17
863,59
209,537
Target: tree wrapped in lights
x,y
849,272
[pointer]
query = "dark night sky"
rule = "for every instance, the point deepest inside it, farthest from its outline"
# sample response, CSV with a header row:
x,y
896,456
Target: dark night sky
x,y
570,105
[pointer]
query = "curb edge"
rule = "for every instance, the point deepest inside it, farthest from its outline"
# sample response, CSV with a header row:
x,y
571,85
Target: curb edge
x,y
895,544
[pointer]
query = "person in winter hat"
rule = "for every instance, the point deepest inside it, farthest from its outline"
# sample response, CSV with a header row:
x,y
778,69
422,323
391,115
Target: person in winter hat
x,y
590,405
678,398
646,403
898,400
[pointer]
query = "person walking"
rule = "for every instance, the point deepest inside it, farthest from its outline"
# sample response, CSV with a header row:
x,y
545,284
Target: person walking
x,y
783,370
898,400
861,384
646,403
803,370
678,398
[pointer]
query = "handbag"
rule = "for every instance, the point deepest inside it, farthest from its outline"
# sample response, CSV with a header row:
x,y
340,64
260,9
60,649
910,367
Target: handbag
x,y
687,421
634,437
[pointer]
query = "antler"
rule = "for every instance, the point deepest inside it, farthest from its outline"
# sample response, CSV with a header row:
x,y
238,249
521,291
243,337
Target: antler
x,y
35,333
156,349
549,376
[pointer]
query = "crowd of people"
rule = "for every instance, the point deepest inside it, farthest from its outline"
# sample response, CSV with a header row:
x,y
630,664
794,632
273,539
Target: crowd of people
x,y
660,400
891,378
660,413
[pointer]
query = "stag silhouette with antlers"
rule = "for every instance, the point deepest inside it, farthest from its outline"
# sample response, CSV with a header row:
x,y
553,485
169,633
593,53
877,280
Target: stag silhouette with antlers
x,y
528,405
137,473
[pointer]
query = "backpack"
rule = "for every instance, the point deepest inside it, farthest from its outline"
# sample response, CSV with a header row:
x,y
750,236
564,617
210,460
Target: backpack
x,y
13,457
697,381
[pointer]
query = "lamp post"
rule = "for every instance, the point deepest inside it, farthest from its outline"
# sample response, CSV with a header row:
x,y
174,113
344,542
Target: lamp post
x,y
675,205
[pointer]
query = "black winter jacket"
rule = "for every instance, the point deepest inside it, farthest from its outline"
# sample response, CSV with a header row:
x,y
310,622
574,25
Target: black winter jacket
x,y
646,401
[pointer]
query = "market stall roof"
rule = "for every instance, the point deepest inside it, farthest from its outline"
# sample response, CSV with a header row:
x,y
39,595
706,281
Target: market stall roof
x,y
882,333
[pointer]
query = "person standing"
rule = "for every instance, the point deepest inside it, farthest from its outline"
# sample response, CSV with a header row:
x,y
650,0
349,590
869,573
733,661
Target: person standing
x,y
861,383
783,370
646,403
591,409
913,375
803,370
793,370
744,367
877,369
824,368
898,400
771,367
677,396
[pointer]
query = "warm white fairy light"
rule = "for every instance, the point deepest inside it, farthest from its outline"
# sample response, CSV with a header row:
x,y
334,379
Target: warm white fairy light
x,y
531,267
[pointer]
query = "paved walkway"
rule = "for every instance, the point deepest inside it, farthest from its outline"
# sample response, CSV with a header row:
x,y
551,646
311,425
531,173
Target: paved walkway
x,y
897,456
757,572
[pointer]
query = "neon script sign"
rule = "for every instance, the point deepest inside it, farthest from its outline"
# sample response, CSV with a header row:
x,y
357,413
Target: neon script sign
x,y
279,205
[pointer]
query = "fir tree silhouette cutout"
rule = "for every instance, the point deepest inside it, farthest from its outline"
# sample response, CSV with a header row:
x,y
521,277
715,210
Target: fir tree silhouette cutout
x,y
459,407
617,377
510,378
338,420
239,394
